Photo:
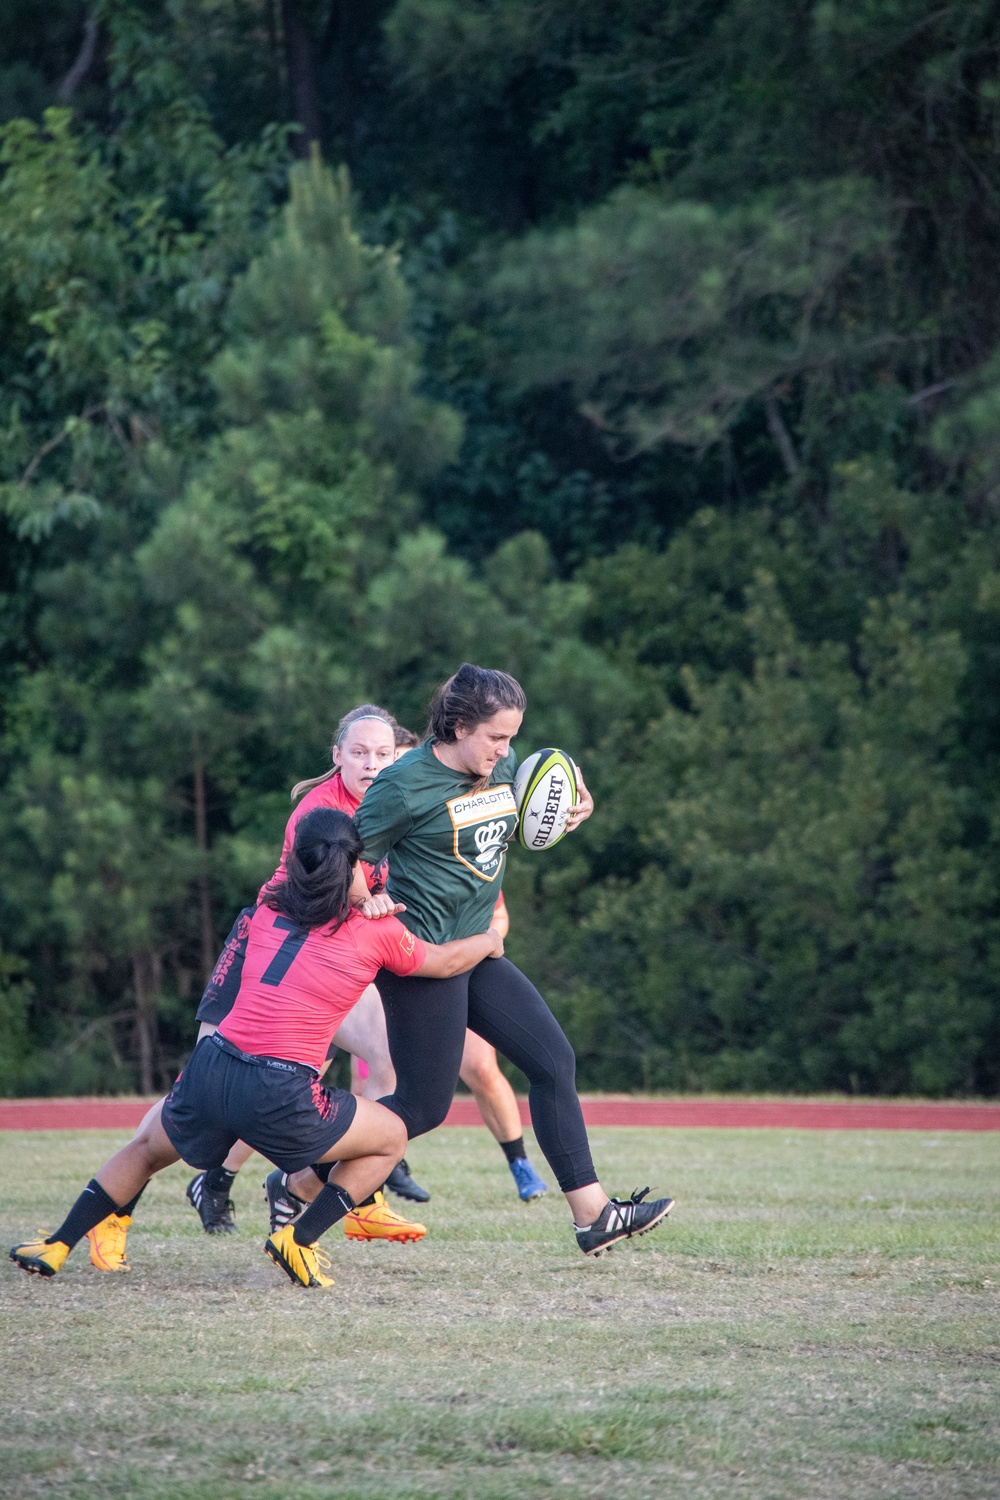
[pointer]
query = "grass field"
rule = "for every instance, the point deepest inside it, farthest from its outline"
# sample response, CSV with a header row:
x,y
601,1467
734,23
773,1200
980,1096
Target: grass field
x,y
818,1319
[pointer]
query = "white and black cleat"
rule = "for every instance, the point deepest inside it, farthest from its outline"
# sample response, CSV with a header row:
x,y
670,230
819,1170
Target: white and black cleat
x,y
215,1210
283,1205
621,1219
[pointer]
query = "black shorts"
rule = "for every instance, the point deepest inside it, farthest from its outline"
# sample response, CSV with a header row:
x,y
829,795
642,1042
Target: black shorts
x,y
279,1108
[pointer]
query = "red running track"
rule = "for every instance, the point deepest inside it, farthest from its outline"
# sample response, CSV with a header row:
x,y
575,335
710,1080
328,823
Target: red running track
x,y
700,1113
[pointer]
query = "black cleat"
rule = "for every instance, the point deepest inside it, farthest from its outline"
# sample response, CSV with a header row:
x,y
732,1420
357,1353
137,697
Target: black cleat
x,y
282,1204
402,1184
620,1219
215,1210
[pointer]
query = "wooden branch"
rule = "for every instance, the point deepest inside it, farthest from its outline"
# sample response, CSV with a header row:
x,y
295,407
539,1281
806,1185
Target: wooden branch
x,y
930,391
301,78
84,60
88,1030
208,949
54,442
781,436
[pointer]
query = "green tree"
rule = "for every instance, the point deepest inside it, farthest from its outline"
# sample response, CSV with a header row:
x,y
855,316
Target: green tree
x,y
714,291
796,896
111,314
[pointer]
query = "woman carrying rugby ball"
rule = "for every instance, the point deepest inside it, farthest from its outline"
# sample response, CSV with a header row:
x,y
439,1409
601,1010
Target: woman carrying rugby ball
x,y
443,815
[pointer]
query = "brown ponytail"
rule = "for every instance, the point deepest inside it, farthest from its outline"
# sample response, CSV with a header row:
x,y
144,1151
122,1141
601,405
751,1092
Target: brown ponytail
x,y
469,698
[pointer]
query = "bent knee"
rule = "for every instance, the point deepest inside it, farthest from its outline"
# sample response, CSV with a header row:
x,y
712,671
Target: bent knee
x,y
556,1066
481,1075
425,1121
149,1151
396,1136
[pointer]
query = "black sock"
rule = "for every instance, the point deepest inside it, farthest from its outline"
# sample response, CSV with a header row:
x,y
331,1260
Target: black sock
x,y
513,1150
322,1169
129,1207
219,1180
90,1208
323,1212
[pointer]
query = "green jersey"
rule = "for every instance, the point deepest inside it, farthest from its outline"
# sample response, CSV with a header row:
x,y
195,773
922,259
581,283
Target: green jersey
x,y
446,842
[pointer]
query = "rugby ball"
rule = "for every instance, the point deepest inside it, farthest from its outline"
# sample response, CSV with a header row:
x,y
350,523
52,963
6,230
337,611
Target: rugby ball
x,y
545,789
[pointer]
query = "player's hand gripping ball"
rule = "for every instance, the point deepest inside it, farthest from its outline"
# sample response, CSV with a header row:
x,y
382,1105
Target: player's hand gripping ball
x,y
546,793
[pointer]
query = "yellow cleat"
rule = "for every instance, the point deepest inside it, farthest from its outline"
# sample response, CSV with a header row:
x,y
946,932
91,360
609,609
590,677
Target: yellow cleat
x,y
39,1258
300,1263
107,1243
377,1221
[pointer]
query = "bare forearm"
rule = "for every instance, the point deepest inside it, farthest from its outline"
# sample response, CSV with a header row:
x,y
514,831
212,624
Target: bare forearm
x,y
446,959
359,886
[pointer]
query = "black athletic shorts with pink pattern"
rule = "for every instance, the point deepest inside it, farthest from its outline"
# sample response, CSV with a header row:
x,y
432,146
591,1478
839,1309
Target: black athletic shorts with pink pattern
x,y
279,1108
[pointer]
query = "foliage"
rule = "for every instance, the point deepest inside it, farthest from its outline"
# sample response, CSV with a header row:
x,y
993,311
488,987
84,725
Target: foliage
x,y
672,316
647,351
801,897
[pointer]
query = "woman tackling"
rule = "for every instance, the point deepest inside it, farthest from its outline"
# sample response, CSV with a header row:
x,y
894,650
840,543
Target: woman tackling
x,y
309,956
368,739
365,744
443,815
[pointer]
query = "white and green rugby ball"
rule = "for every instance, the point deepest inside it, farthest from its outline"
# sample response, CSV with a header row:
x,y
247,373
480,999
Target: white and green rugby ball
x,y
546,792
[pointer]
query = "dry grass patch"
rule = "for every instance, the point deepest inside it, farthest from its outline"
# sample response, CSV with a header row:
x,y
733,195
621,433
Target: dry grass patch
x,y
818,1320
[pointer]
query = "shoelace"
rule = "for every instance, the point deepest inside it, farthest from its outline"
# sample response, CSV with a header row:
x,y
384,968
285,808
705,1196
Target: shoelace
x,y
623,1210
323,1261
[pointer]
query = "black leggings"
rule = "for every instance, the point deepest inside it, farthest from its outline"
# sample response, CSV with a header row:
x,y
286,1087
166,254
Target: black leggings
x,y
426,1021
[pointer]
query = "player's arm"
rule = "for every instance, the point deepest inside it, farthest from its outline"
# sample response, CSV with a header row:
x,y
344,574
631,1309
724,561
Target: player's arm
x,y
359,887
445,959
368,905
382,820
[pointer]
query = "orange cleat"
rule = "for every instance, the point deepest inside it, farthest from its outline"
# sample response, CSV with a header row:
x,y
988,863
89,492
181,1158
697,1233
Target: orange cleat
x,y
302,1264
107,1243
376,1221
40,1257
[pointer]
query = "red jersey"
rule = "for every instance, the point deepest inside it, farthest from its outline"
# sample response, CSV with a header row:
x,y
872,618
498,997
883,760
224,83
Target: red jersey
x,y
332,793
298,986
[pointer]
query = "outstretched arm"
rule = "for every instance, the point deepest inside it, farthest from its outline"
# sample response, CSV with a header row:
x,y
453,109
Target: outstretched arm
x,y
445,959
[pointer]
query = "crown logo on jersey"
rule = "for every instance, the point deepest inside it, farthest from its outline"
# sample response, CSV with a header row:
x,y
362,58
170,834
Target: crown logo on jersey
x,y
488,839
483,822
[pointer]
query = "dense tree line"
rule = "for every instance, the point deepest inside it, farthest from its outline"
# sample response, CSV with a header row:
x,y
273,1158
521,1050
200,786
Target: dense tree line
x,y
650,351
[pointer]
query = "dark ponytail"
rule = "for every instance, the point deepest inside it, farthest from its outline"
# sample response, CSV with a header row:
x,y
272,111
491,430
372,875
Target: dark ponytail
x,y
469,698
316,889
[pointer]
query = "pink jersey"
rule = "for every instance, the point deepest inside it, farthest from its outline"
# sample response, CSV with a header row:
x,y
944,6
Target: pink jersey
x,y
297,987
332,793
